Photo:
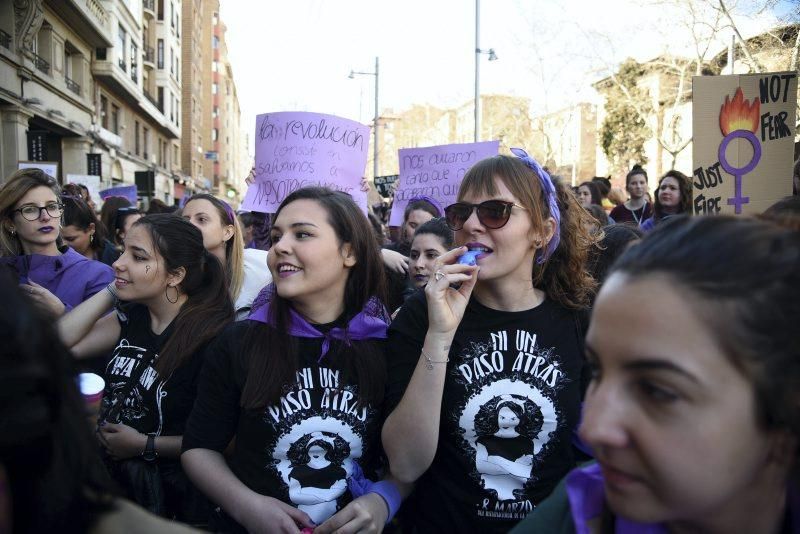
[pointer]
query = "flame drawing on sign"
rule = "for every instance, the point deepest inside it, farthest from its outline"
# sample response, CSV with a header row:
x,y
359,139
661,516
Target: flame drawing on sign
x,y
738,119
739,114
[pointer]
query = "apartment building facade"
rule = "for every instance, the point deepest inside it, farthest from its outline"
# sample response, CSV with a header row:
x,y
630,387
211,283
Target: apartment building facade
x,y
84,84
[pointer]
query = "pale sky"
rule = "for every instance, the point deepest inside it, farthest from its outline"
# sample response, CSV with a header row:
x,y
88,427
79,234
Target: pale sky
x,y
295,55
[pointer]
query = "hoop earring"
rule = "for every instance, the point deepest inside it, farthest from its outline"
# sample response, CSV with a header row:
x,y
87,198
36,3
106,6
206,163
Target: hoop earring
x,y
166,294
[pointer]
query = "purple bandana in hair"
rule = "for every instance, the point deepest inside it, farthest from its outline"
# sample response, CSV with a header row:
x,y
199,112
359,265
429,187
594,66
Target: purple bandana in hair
x,y
370,323
549,191
228,210
433,202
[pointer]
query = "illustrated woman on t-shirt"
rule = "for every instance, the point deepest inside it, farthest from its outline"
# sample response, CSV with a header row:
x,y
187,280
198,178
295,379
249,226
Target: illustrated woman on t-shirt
x,y
246,269
507,427
497,342
300,383
317,477
177,301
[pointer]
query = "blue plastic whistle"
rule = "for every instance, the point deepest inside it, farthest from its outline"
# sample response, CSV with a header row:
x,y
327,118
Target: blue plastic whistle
x,y
469,257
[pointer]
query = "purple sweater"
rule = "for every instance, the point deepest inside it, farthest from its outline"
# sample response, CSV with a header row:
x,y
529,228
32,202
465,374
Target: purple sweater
x,y
71,277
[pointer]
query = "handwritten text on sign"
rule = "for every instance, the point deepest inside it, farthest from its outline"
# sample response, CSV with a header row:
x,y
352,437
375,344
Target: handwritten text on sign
x,y
299,149
743,141
436,172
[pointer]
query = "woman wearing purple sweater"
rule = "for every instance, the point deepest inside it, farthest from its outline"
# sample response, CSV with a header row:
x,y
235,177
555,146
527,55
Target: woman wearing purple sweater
x,y
56,277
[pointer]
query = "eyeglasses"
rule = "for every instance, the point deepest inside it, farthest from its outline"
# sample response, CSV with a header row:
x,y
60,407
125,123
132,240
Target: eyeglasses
x,y
492,214
31,213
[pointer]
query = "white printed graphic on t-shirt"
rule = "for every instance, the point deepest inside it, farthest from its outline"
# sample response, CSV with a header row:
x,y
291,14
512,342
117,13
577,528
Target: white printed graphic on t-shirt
x,y
508,416
142,406
314,459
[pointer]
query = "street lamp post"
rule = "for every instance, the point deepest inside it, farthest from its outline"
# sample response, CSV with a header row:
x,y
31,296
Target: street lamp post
x,y
478,52
375,120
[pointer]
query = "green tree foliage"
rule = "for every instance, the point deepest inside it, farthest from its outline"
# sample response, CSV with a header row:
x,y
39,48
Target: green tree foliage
x,y
624,130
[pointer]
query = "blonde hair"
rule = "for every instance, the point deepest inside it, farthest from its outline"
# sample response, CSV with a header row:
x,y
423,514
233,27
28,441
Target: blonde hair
x,y
13,190
234,247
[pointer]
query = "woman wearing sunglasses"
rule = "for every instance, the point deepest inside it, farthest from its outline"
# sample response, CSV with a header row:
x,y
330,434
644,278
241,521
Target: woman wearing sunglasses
x,y
56,277
485,377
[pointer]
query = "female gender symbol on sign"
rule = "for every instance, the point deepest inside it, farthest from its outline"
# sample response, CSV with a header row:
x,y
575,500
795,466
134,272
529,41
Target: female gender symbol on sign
x,y
737,172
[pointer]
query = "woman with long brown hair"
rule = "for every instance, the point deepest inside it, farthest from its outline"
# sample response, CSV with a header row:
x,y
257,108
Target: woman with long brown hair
x,y
300,384
177,302
486,363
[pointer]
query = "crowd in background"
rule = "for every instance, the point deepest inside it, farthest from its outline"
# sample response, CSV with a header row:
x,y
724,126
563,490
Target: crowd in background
x,y
533,357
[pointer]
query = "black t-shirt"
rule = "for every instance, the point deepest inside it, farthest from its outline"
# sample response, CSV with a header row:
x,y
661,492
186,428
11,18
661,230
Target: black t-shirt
x,y
156,405
511,401
302,450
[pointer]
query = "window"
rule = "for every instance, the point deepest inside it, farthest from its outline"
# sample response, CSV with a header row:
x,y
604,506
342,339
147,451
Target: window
x,y
215,112
172,15
214,134
177,25
177,70
134,61
145,141
114,119
215,42
122,44
214,88
160,99
104,112
171,61
160,54
160,9
137,149
213,66
171,107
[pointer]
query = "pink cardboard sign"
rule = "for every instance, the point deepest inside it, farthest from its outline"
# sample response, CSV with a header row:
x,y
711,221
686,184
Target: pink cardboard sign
x,y
297,149
436,172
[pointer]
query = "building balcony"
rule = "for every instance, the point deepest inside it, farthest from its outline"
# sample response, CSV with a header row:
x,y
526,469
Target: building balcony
x,y
5,40
41,63
88,18
149,57
149,7
113,74
72,85
156,103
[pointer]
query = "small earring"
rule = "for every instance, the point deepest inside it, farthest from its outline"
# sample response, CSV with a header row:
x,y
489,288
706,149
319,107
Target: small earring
x,y
91,239
13,232
166,294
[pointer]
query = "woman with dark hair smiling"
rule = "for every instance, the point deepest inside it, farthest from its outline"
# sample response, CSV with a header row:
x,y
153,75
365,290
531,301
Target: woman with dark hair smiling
x,y
178,302
307,366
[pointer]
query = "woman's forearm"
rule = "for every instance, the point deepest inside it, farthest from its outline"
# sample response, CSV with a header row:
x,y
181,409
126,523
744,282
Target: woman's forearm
x,y
208,471
73,326
411,432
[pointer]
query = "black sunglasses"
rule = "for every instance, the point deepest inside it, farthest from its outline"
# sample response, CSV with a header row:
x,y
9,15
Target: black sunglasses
x,y
492,214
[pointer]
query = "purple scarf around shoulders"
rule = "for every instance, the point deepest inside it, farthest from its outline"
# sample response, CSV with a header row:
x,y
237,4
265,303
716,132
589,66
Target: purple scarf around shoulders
x,y
370,323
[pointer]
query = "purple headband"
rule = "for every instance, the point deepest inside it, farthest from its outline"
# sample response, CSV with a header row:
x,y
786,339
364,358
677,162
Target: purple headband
x,y
429,200
549,191
370,323
225,206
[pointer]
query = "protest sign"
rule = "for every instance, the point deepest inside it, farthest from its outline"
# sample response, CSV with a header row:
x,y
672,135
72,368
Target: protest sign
x,y
384,184
92,183
127,191
299,149
436,172
50,168
744,128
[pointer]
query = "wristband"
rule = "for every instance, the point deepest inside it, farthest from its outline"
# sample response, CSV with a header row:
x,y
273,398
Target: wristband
x,y
389,492
359,485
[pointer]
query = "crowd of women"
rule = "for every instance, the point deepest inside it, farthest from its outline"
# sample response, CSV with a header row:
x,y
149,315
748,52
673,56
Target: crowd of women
x,y
512,362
